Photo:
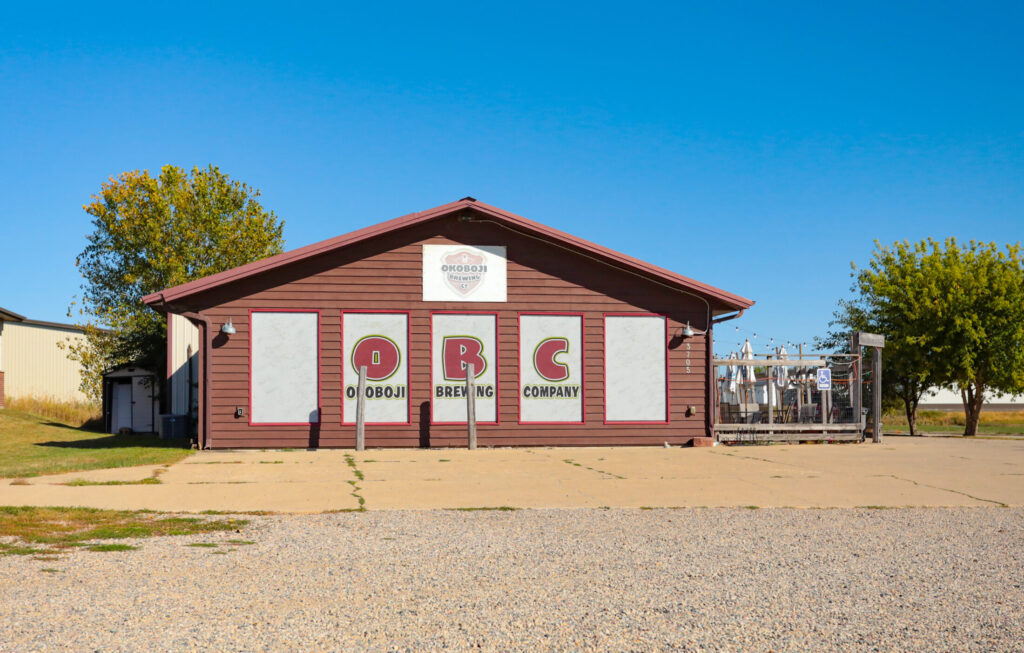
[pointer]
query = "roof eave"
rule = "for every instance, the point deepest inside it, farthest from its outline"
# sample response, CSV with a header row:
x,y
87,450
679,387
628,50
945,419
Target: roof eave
x,y
10,316
161,300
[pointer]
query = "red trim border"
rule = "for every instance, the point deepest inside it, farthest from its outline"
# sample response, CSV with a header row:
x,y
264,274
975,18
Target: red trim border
x,y
497,366
604,334
408,365
583,363
319,374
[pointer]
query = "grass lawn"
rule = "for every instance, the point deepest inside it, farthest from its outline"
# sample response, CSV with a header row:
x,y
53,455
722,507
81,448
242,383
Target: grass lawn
x,y
992,422
31,445
983,429
50,531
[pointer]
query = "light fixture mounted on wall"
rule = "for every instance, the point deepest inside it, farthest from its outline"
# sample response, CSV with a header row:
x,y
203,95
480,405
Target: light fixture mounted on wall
x,y
688,332
228,328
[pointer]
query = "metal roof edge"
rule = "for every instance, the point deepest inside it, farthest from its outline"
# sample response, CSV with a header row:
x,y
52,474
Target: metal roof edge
x,y
10,316
624,260
60,325
338,242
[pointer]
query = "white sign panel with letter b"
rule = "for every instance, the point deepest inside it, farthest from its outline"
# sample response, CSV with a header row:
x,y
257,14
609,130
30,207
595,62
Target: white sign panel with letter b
x,y
457,341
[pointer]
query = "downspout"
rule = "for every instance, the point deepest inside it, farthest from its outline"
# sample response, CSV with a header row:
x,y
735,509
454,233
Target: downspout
x,y
203,323
712,382
712,392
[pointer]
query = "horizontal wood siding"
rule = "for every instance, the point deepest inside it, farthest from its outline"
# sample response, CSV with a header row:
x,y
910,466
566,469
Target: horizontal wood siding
x,y
386,275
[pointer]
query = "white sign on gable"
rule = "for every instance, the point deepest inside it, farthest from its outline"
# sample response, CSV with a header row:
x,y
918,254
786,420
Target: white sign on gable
x,y
464,273
379,342
458,340
550,369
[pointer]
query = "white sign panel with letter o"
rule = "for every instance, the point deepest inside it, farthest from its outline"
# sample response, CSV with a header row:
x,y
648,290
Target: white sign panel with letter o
x,y
550,368
464,273
380,342
458,340
635,366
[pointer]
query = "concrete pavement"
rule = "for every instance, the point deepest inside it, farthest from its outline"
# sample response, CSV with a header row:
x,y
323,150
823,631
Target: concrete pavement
x,y
902,471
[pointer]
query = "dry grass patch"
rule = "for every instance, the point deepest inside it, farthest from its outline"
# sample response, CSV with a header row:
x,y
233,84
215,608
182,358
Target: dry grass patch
x,y
29,530
1010,422
72,413
81,482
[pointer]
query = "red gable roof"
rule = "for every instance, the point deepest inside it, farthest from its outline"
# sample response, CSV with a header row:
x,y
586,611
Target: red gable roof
x,y
723,299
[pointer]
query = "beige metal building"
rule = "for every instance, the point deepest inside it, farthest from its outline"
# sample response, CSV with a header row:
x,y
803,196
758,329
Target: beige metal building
x,y
32,364
182,365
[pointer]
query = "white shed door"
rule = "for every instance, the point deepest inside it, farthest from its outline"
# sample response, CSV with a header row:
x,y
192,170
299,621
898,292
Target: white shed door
x,y
122,409
142,405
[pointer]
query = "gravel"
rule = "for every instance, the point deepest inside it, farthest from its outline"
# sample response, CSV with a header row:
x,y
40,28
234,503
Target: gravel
x,y
689,579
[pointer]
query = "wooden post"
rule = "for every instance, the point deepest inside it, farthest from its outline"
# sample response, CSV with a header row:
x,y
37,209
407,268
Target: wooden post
x,y
876,394
768,388
823,399
471,404
360,410
800,386
828,404
856,381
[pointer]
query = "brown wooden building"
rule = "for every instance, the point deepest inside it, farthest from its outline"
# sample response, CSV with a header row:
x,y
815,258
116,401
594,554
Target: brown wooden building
x,y
571,343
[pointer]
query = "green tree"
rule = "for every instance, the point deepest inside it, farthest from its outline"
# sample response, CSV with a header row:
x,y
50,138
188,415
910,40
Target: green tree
x,y
952,317
981,313
893,296
152,233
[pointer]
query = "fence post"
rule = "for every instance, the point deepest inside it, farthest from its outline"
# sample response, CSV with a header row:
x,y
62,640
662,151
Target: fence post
x,y
769,388
823,398
471,404
876,393
360,410
856,382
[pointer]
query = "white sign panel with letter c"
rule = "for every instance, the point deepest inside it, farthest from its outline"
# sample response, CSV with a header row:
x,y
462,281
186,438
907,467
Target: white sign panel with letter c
x,y
550,369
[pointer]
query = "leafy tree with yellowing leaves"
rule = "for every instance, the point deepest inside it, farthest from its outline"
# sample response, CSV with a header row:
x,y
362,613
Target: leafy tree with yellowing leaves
x,y
953,316
152,233
979,309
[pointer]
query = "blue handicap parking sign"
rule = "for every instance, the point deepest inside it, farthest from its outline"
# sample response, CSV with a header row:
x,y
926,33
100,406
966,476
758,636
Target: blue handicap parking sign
x,y
824,379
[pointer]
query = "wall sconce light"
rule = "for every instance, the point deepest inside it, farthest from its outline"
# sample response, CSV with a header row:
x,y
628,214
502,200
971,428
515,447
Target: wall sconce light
x,y
228,328
689,332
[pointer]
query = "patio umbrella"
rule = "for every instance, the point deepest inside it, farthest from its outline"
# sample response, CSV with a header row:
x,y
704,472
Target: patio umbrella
x,y
747,371
732,374
782,372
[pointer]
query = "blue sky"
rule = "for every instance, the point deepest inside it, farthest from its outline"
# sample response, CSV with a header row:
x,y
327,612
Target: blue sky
x,y
757,147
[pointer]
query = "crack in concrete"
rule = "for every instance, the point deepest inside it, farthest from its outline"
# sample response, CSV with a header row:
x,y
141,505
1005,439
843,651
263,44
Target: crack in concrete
x,y
764,460
355,486
570,461
944,489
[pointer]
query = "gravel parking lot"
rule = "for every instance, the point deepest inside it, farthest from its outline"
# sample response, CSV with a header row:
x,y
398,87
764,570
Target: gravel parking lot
x,y
579,579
